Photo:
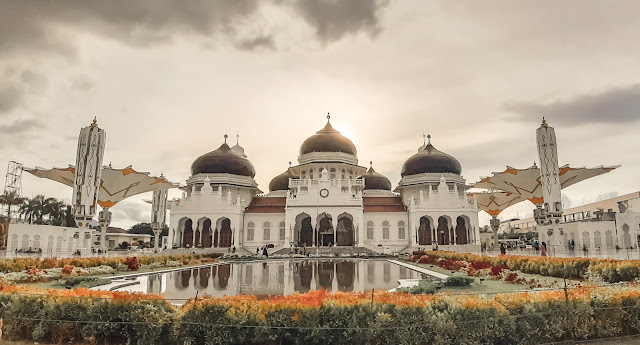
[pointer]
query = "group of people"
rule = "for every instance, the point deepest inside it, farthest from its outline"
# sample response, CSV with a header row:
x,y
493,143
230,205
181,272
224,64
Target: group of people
x,y
29,251
543,249
265,252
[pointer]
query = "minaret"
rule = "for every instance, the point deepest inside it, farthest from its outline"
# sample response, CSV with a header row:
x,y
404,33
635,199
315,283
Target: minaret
x,y
91,143
549,172
158,214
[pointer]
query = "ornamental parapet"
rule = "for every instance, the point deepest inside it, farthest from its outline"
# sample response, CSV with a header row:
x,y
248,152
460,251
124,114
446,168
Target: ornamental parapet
x,y
328,157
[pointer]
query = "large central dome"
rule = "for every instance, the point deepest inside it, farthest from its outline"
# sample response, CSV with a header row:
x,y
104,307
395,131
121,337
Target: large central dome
x,y
430,160
328,140
224,160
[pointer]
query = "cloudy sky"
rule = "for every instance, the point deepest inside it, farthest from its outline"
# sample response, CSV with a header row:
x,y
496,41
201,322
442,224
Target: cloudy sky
x,y
167,79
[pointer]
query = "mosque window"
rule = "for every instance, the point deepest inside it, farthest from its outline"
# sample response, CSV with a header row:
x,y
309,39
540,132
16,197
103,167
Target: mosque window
x,y
266,231
333,173
344,174
282,231
586,243
385,230
401,234
597,239
303,174
608,237
311,174
250,231
369,230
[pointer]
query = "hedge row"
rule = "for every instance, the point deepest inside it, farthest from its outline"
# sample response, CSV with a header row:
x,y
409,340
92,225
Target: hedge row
x,y
609,270
21,264
322,318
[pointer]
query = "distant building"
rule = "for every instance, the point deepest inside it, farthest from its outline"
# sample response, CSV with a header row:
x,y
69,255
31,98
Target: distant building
x,y
600,225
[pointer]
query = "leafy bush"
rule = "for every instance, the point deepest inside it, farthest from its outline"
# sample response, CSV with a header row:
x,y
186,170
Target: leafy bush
x,y
318,317
132,263
458,281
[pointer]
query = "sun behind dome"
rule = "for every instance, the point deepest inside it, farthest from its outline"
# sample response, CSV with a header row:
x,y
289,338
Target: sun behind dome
x,y
328,140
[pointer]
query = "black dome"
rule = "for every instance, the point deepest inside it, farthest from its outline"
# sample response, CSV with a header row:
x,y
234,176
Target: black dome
x,y
374,180
328,140
281,182
223,161
430,160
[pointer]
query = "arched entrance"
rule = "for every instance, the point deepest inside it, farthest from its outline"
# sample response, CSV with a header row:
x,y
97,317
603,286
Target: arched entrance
x,y
186,225
325,230
424,231
461,230
222,236
304,231
626,237
207,234
443,230
344,232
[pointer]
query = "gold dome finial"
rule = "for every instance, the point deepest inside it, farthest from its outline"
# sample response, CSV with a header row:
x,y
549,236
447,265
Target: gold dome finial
x,y
225,138
328,117
371,164
94,123
544,122
429,138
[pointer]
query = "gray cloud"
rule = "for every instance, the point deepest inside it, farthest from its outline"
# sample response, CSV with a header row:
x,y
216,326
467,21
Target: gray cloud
x,y
40,25
616,105
333,20
19,126
265,42
10,98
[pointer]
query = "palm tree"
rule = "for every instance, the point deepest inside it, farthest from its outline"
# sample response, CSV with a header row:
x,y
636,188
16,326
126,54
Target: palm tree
x,y
33,209
11,199
54,209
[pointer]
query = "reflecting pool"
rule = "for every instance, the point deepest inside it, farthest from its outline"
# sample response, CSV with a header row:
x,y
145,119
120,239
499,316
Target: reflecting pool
x,y
271,278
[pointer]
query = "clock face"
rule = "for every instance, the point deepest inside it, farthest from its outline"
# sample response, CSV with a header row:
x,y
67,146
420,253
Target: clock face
x,y
324,192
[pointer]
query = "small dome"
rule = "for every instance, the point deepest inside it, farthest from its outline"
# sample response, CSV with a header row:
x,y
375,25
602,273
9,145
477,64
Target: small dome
x,y
374,180
430,160
328,140
281,182
223,161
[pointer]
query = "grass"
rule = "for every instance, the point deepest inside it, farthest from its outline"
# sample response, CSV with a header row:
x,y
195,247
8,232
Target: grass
x,y
490,286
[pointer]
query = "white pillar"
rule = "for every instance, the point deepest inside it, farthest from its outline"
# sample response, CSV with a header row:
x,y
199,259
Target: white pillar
x,y
156,240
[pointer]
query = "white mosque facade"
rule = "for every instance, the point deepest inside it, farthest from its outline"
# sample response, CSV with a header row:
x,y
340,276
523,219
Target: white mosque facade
x,y
326,201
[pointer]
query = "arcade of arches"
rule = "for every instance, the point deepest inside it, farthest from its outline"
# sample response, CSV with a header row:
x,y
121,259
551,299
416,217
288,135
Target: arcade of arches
x,y
325,234
443,233
204,235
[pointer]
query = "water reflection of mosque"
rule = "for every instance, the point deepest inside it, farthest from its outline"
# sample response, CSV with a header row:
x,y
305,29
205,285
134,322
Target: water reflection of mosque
x,y
280,278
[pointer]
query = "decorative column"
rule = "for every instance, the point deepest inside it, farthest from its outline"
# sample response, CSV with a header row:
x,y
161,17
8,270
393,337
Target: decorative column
x,y
105,219
551,212
91,143
495,225
158,214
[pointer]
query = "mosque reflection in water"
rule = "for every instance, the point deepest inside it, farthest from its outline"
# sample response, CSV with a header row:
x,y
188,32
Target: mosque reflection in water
x,y
279,278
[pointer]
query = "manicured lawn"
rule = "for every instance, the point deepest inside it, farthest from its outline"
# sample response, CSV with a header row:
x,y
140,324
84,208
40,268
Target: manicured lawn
x,y
491,286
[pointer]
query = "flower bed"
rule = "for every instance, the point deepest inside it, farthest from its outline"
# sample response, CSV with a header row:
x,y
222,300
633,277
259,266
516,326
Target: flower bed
x,y
320,318
611,271
50,269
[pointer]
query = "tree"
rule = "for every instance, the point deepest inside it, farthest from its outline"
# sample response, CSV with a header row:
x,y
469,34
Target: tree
x,y
33,209
141,228
11,199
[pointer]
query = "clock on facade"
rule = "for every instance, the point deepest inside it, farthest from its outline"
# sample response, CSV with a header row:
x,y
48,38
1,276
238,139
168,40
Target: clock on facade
x,y
324,192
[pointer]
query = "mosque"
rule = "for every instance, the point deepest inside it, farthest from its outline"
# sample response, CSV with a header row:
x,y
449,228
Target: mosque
x,y
327,201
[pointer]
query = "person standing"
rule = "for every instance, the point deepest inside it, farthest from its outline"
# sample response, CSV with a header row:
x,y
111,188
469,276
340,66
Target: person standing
x,y
543,249
503,249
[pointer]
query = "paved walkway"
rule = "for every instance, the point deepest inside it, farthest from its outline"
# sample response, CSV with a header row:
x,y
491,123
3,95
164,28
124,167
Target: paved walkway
x,y
420,269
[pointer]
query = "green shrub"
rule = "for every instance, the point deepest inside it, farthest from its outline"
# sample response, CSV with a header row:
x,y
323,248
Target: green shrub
x,y
458,281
